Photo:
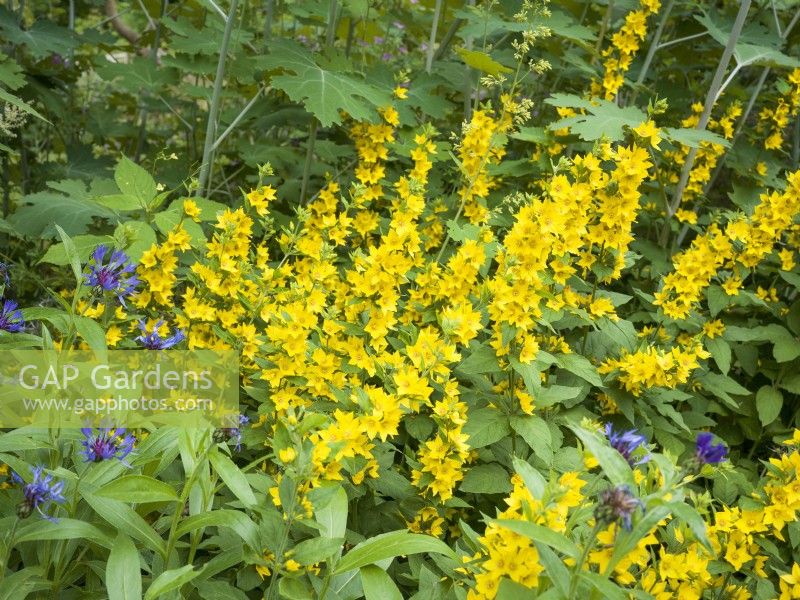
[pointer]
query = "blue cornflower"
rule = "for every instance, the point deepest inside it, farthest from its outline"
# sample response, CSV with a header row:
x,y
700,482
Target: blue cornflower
x,y
232,433
153,341
617,504
11,318
115,276
626,443
107,443
39,493
707,453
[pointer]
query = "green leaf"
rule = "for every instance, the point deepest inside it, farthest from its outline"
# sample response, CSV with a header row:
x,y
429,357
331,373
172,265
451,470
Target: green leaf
x,y
607,588
612,462
36,215
604,119
389,545
132,180
785,349
19,584
689,515
717,299
238,521
65,529
769,402
536,434
554,568
324,90
694,137
540,533
332,517
233,477
124,518
123,574
93,334
482,62
485,426
136,237
171,580
315,550
20,104
138,488
378,585
71,253
721,352
580,366
481,360
489,478
84,246
533,479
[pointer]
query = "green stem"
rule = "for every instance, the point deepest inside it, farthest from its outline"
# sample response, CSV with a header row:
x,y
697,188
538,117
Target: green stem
x,y
213,110
437,12
573,584
711,98
270,595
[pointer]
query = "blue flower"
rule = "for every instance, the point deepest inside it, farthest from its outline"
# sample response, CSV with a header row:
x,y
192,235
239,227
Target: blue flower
x,y
626,443
116,276
39,493
232,433
153,341
10,318
707,453
617,504
107,443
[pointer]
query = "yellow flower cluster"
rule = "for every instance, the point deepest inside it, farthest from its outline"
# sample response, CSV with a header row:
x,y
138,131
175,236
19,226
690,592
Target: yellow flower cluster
x,y
512,555
625,43
743,244
481,145
774,119
653,367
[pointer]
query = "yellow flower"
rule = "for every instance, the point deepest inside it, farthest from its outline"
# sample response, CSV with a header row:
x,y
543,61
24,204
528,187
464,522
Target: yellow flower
x,y
401,92
287,455
649,132
191,210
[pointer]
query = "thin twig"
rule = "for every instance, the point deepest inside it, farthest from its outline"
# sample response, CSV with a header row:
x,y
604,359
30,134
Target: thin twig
x,y
238,118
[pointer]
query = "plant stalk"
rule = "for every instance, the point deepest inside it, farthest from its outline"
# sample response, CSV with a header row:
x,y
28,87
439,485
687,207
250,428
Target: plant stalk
x,y
437,12
211,126
711,98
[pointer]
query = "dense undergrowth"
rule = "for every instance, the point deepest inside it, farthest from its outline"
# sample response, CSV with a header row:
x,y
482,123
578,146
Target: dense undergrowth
x,y
514,289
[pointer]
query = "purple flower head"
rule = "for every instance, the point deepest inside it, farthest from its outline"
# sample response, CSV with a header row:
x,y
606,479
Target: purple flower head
x,y
387,56
115,276
11,318
232,433
378,40
617,504
107,443
153,341
39,493
627,443
707,453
